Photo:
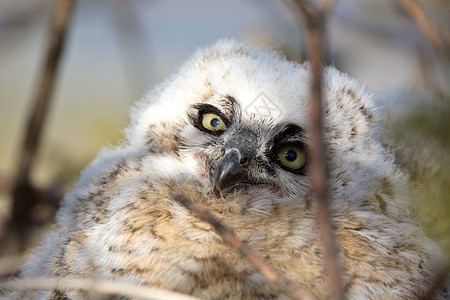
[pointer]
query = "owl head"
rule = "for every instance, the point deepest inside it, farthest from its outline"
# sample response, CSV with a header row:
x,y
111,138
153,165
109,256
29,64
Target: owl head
x,y
238,117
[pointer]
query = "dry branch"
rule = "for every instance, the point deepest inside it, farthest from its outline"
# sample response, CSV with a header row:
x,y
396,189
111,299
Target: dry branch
x,y
5,184
423,23
94,286
314,16
24,194
430,61
230,237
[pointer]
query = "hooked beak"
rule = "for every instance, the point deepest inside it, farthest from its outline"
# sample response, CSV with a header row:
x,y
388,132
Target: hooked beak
x,y
232,168
229,171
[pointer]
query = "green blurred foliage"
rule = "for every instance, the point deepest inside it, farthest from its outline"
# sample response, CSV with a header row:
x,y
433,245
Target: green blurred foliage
x,y
423,136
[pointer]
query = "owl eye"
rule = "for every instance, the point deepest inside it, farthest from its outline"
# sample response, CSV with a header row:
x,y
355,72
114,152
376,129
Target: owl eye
x,y
213,122
292,156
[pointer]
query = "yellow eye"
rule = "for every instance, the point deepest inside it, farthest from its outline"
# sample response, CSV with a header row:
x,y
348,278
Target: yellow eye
x,y
292,156
213,122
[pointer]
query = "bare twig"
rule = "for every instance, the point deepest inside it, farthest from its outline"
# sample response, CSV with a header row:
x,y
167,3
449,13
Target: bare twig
x,y
23,190
94,286
431,62
60,18
229,236
315,20
5,184
423,23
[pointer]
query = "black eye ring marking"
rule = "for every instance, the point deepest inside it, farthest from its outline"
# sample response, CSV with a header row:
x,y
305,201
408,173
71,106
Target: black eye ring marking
x,y
209,119
288,149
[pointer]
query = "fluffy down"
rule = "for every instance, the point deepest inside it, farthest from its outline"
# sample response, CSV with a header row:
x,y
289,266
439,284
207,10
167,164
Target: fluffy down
x,y
215,131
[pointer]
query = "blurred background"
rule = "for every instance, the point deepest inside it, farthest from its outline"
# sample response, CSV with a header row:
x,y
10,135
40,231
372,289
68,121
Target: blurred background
x,y
117,49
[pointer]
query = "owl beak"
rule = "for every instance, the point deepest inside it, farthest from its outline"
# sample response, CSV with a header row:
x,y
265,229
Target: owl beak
x,y
229,171
232,168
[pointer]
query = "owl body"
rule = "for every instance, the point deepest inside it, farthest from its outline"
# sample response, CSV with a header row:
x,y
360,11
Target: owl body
x,y
231,132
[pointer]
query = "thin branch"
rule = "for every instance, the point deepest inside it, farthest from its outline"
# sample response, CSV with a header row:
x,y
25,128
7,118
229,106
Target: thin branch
x,y
423,23
23,189
430,62
5,184
314,17
230,237
94,286
36,118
